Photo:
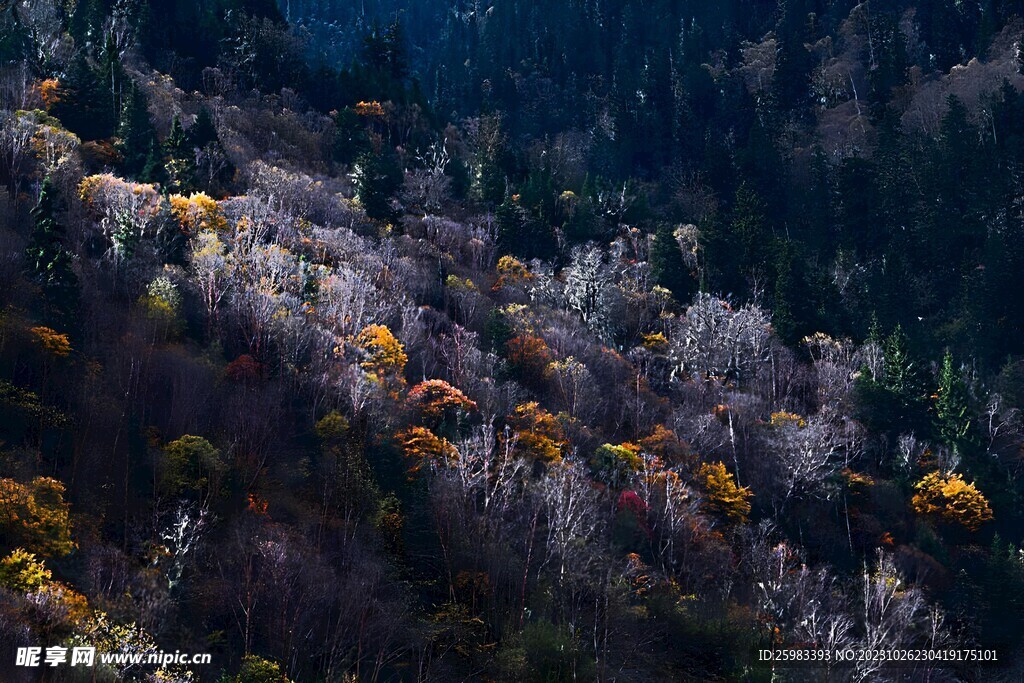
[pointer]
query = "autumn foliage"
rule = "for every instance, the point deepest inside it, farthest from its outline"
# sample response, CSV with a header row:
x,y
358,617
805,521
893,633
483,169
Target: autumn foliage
x,y
36,515
416,389
615,464
511,272
435,399
49,90
197,212
783,419
530,356
384,356
422,448
21,571
724,496
663,443
371,109
244,369
952,500
52,342
538,434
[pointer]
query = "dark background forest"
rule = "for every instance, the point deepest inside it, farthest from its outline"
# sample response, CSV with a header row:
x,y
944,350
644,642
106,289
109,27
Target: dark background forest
x,y
505,340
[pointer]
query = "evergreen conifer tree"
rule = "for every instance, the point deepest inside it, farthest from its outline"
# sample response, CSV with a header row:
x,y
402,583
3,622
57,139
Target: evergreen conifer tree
x,y
85,106
952,417
15,40
669,268
180,160
378,178
137,137
111,73
153,170
48,261
203,132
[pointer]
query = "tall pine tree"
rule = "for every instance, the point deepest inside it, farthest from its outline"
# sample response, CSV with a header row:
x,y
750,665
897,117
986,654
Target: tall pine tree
x,y
49,262
135,131
952,416
85,106
378,178
180,160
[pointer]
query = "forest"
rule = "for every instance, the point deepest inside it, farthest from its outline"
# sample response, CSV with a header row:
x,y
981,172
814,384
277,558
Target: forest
x,y
512,340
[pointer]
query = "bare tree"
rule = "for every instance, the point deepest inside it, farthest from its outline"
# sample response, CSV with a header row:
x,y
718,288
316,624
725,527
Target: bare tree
x,y
212,272
573,522
894,615
262,276
715,340
811,452
588,279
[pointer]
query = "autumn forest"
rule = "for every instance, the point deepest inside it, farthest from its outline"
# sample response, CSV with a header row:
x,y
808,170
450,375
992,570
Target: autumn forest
x,y
511,340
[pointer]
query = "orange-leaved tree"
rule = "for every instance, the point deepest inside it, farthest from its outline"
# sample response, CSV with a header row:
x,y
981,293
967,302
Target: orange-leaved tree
x,y
529,357
52,342
538,434
663,443
423,448
437,401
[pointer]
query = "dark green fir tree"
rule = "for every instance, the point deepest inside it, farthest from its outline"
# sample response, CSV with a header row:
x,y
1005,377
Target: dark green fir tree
x,y
111,73
670,270
952,411
153,170
135,132
179,157
204,131
378,178
85,106
49,262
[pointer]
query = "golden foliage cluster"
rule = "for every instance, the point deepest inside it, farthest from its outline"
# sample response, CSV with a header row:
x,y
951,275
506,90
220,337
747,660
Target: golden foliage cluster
x,y
424,448
511,272
951,499
538,433
52,342
36,516
782,419
198,211
371,109
724,496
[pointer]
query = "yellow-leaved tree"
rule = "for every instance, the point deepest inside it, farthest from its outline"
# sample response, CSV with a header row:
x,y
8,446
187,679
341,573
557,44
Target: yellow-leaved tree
x,y
384,356
22,572
61,607
724,496
511,272
616,464
197,212
35,515
191,466
952,500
